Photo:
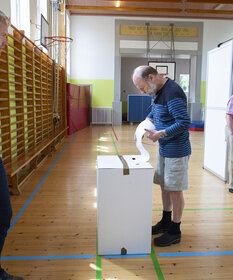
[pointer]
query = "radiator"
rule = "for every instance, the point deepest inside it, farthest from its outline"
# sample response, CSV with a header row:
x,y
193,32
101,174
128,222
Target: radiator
x,y
101,115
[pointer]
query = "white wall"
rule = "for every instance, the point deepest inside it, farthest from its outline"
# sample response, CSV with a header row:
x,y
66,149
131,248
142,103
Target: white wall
x,y
92,51
20,15
215,32
5,7
34,34
94,43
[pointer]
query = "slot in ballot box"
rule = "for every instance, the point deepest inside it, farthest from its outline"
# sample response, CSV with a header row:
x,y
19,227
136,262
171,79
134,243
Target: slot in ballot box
x,y
124,205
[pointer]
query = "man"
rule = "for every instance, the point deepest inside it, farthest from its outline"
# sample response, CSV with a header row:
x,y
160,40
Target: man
x,y
229,137
5,205
171,120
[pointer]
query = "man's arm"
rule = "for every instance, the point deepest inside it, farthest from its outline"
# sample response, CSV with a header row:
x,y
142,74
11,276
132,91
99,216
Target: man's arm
x,y
178,109
150,117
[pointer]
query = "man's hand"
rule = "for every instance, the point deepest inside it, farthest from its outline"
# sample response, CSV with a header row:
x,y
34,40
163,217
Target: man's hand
x,y
135,138
153,134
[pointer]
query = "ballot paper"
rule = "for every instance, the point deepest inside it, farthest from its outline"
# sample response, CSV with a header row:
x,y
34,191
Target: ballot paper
x,y
146,124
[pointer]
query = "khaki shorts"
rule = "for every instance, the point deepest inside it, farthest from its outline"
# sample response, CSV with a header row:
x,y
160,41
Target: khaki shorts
x,y
172,173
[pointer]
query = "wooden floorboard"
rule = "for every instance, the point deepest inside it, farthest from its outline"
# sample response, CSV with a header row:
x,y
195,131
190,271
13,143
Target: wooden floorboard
x,y
60,219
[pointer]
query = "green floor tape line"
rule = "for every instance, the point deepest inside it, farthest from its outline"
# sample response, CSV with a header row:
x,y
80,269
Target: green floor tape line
x,y
98,263
153,256
98,258
98,268
199,209
156,264
114,144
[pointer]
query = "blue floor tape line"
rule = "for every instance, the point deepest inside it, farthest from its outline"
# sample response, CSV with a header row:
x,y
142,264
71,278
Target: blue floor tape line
x,y
125,256
190,254
26,258
37,188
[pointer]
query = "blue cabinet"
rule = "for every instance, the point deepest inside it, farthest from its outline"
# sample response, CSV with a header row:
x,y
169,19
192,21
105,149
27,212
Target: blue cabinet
x,y
139,106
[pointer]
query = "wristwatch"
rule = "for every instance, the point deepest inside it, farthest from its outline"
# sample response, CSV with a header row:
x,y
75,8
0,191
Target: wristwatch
x,y
161,135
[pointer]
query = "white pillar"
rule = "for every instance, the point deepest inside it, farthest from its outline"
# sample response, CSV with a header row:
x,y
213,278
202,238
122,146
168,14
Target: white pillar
x,y
117,104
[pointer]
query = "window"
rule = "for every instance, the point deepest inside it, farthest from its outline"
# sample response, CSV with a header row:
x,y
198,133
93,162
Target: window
x,y
41,9
20,15
184,82
14,13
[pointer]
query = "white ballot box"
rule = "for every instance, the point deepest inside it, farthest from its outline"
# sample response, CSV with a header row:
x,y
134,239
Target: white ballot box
x,y
124,205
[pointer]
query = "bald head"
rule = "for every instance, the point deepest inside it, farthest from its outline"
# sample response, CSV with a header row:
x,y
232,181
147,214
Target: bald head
x,y
147,79
4,23
143,72
4,19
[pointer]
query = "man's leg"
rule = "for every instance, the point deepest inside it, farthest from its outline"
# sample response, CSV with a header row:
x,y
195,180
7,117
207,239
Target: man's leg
x,y
5,206
178,205
173,234
176,180
5,217
230,163
166,199
164,223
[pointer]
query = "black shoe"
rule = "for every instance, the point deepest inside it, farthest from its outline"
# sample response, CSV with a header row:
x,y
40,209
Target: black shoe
x,y
231,190
6,276
167,239
160,228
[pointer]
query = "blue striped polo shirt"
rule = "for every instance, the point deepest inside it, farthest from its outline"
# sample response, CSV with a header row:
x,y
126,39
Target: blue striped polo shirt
x,y
169,112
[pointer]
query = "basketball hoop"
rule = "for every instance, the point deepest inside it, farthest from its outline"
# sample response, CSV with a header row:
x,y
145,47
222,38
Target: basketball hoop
x,y
55,43
57,39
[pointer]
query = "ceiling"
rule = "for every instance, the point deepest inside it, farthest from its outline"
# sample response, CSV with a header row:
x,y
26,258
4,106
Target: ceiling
x,y
206,9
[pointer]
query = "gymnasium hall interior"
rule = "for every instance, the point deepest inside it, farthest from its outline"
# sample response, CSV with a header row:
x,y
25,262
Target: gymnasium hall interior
x,y
69,112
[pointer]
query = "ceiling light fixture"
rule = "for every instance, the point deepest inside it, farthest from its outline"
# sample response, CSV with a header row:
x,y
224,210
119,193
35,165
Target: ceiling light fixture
x,y
117,4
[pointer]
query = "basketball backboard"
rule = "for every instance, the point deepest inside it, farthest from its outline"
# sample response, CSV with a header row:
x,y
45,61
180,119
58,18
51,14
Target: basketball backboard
x,y
167,69
44,31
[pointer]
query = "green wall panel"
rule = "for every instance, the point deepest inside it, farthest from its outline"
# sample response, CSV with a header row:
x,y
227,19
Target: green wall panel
x,y
203,93
102,91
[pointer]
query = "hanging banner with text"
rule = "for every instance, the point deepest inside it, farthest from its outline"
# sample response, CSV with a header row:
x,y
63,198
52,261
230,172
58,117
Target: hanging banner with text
x,y
140,30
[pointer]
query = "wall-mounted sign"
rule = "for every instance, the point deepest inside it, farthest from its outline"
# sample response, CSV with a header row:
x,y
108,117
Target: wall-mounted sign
x,y
140,30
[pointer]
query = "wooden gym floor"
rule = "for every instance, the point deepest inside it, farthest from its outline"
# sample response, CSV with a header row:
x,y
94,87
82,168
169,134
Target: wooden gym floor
x,y
53,233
